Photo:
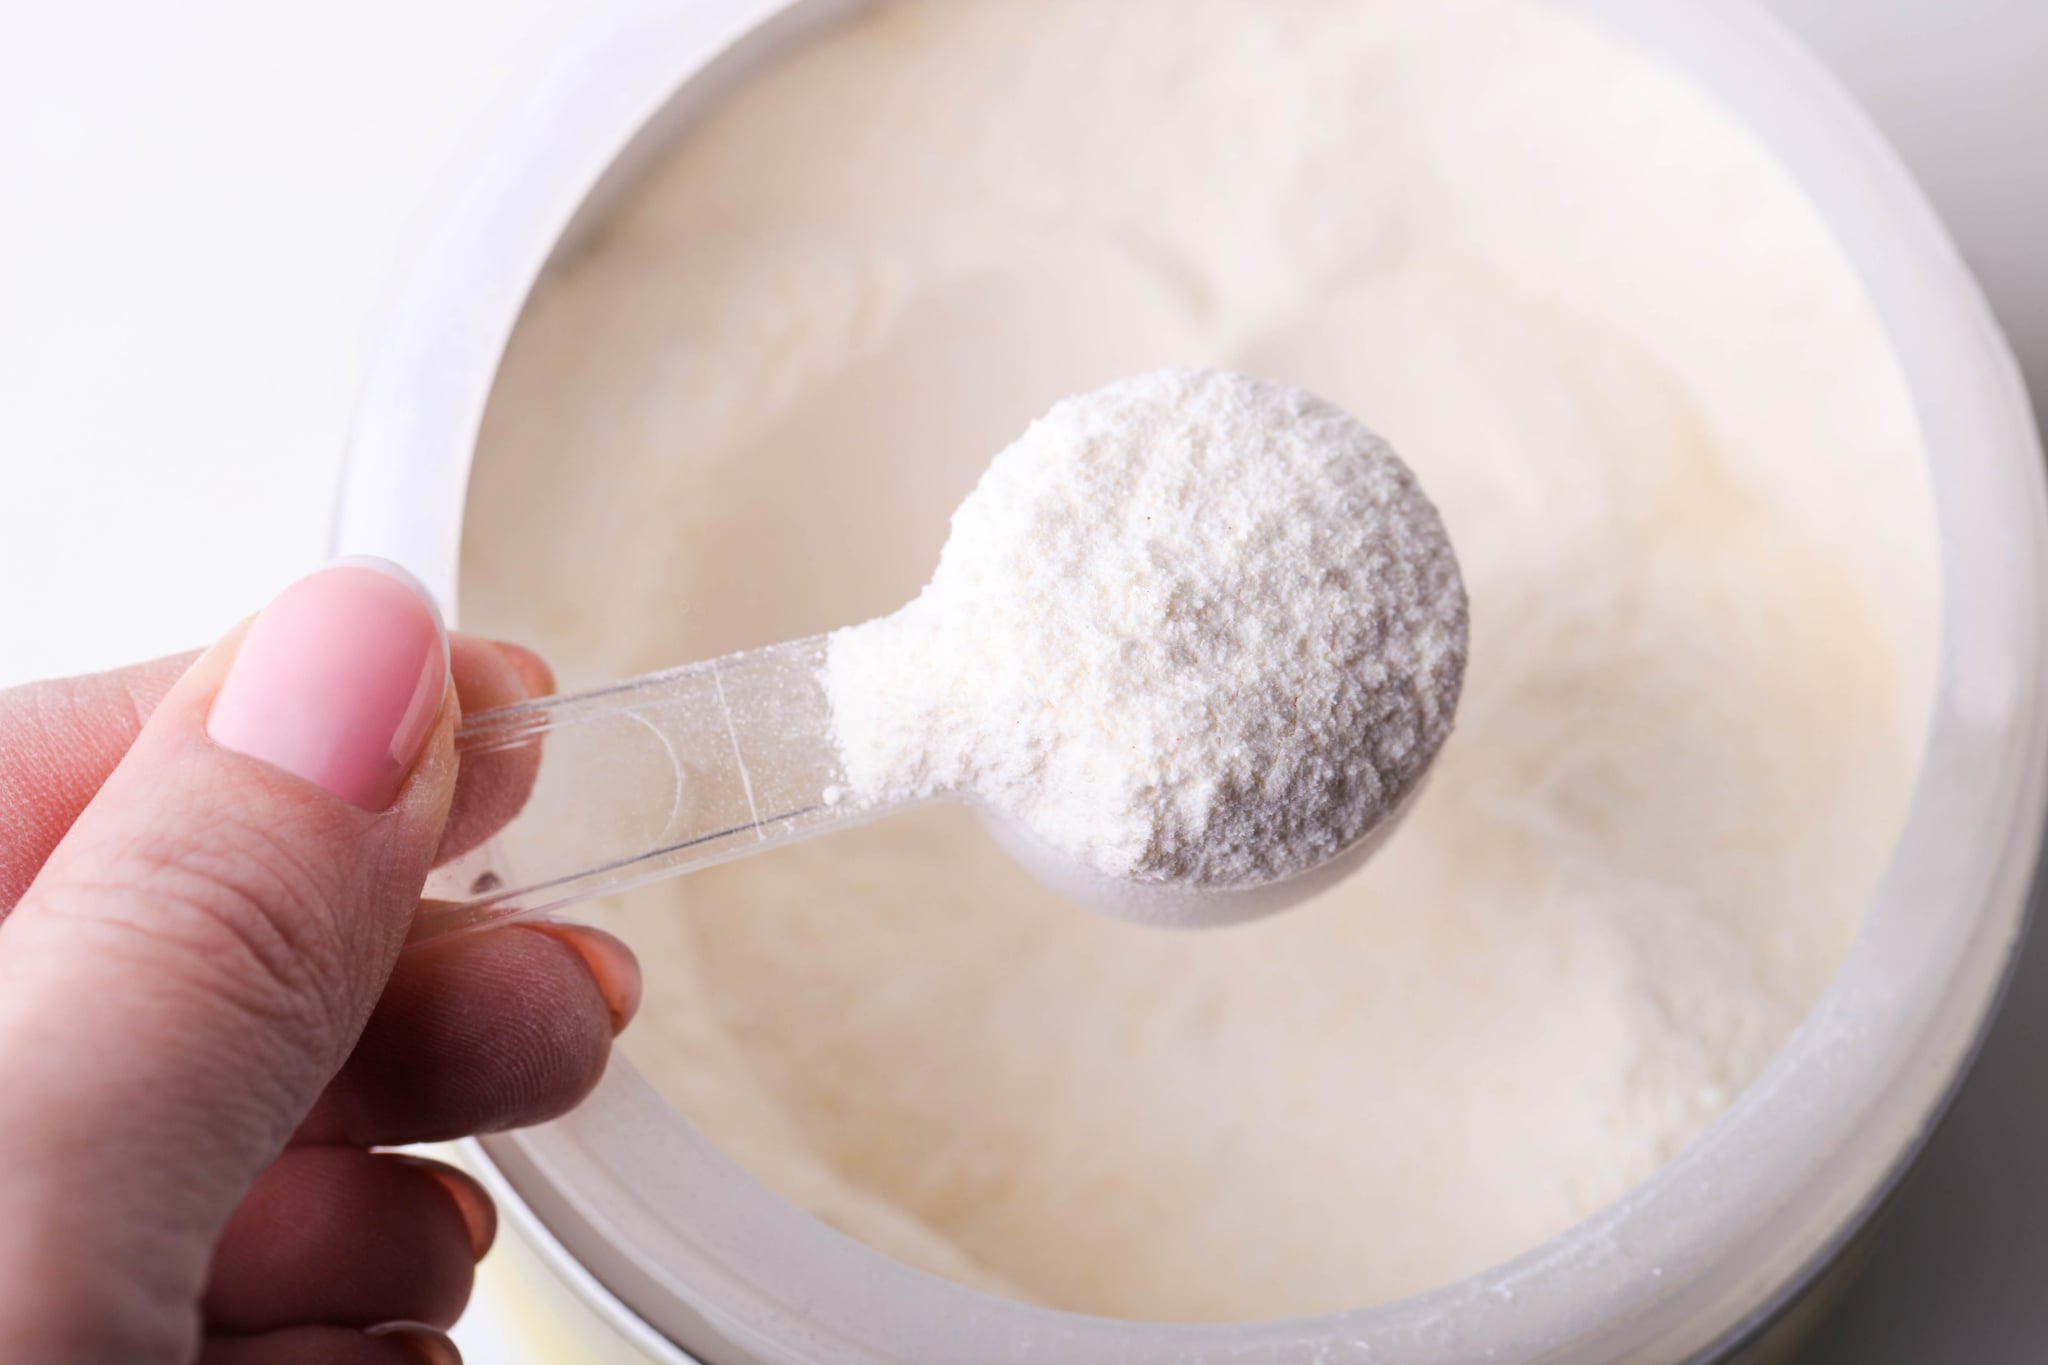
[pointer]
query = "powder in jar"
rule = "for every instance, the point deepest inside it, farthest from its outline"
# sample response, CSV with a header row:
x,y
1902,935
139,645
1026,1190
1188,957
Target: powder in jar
x,y
1661,421
1192,627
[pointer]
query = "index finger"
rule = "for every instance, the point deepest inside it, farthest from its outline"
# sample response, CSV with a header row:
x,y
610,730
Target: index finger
x,y
58,741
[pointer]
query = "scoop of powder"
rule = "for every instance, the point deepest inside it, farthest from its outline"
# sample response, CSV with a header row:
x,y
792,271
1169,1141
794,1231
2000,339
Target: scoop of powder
x,y
1193,628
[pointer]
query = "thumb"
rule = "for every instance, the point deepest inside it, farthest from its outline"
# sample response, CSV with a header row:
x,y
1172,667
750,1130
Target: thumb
x,y
198,954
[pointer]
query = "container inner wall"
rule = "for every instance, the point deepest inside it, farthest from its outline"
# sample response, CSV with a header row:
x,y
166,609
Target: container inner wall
x,y
1682,470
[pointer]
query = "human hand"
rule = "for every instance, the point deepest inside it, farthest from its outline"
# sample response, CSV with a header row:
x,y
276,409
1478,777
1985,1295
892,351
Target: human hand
x,y
207,871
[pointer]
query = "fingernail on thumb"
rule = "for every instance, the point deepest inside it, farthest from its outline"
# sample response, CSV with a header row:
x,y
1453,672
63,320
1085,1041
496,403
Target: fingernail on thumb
x,y
339,681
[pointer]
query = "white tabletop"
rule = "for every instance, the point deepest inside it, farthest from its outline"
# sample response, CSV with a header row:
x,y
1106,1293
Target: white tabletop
x,y
201,209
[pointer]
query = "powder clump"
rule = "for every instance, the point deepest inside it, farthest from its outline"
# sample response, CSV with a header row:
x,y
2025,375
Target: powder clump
x,y
1193,627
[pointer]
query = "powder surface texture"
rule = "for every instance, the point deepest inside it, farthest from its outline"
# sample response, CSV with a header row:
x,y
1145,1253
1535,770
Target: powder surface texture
x,y
1662,426
1192,627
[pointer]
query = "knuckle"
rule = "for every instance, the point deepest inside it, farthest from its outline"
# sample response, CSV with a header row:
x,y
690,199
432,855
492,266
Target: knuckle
x,y
238,903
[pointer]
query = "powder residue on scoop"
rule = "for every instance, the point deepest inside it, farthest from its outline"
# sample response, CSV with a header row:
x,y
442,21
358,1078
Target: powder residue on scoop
x,y
1193,627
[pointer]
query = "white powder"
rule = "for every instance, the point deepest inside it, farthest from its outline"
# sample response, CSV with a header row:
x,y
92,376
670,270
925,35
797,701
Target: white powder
x,y
1663,429
1192,627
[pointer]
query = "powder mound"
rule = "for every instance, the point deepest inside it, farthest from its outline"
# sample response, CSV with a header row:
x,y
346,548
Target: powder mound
x,y
1193,627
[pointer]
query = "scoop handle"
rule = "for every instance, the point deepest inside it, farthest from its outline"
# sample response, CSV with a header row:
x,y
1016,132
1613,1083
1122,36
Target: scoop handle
x,y
643,779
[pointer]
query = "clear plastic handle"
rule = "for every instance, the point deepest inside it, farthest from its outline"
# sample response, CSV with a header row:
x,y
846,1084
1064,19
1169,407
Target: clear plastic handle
x,y
645,779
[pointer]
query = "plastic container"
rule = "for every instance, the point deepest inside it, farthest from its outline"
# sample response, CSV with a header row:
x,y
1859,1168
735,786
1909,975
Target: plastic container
x,y
693,1259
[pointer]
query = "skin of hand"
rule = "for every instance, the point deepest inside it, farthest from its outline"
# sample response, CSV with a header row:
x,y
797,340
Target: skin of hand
x,y
209,1022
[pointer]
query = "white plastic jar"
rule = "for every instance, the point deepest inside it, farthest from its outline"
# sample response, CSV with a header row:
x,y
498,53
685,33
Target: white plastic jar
x,y
671,1238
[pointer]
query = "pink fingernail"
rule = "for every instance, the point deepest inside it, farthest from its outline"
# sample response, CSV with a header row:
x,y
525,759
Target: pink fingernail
x,y
339,681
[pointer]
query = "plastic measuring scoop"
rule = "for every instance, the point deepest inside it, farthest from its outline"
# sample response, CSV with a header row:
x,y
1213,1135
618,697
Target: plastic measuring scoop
x,y
1325,565
698,765
644,779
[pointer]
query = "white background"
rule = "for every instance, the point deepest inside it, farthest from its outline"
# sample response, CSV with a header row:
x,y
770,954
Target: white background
x,y
201,208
